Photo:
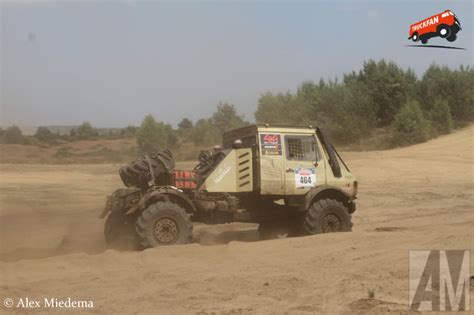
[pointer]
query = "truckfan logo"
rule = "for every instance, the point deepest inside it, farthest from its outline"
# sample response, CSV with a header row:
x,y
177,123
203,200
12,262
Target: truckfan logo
x,y
444,25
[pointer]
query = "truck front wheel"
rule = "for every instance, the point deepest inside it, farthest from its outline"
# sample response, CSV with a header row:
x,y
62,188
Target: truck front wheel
x,y
327,216
164,223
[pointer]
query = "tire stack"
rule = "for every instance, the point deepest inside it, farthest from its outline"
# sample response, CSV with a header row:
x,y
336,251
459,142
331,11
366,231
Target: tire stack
x,y
149,170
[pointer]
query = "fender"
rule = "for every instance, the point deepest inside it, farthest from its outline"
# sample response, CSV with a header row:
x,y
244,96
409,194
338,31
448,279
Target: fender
x,y
324,190
164,193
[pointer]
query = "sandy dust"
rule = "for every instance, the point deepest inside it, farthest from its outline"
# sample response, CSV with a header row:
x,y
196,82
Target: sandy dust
x,y
420,197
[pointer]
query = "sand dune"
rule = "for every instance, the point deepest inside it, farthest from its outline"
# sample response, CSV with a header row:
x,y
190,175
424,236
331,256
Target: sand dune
x,y
419,197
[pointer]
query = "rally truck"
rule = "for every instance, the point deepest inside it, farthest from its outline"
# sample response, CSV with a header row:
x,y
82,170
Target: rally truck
x,y
289,180
445,25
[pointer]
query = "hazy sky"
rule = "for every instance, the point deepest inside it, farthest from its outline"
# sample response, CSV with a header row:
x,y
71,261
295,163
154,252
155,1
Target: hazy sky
x,y
113,62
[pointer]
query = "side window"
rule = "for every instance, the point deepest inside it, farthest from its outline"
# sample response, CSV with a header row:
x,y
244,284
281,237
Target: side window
x,y
302,148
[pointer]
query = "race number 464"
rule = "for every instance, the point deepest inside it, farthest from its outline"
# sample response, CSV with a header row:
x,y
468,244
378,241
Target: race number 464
x,y
305,177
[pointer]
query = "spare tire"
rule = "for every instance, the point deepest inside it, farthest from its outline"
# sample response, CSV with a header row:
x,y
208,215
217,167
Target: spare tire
x,y
149,170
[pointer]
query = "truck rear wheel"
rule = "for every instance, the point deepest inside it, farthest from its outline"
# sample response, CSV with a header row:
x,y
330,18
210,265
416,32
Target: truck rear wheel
x,y
164,223
327,216
451,37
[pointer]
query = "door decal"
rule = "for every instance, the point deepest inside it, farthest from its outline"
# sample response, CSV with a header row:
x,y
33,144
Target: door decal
x,y
270,144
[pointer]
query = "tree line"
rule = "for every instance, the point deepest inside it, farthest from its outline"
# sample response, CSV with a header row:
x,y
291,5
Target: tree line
x,y
154,135
380,98
381,101
45,135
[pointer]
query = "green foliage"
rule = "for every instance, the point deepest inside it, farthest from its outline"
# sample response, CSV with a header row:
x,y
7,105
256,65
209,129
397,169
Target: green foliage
x,y
389,87
410,125
452,86
273,109
128,131
185,128
185,124
84,132
349,115
13,135
205,133
440,116
346,111
152,135
208,132
44,134
172,139
369,100
226,118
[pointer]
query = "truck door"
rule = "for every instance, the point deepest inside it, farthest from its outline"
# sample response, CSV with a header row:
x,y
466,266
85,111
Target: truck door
x,y
304,167
272,164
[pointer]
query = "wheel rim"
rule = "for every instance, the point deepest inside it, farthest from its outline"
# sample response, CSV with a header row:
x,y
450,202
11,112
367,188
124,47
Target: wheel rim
x,y
331,223
415,38
166,230
443,31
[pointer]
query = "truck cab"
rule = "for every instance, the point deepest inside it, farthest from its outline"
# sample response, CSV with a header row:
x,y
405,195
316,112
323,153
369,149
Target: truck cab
x,y
292,161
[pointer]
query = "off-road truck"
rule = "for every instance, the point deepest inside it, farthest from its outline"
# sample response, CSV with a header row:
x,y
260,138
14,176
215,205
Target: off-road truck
x,y
289,180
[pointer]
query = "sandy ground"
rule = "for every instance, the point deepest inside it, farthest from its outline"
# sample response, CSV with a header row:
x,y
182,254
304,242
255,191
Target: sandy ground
x,y
420,197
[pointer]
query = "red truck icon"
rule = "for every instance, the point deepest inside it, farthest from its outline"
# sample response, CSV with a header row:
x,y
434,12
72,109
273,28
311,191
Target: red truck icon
x,y
445,25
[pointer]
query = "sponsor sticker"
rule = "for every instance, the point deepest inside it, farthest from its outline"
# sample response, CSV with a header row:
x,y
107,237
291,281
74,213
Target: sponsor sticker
x,y
270,144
